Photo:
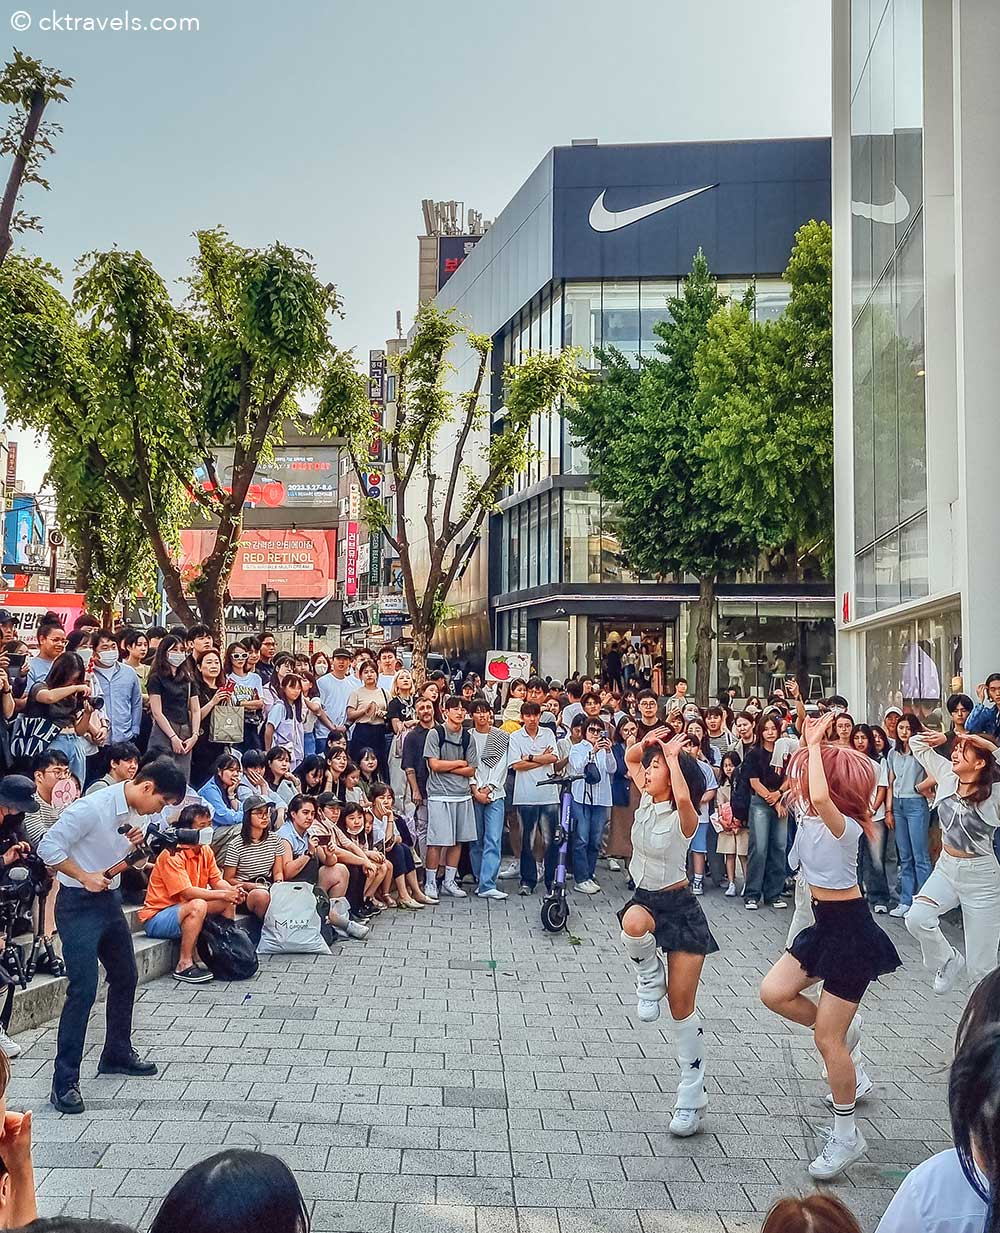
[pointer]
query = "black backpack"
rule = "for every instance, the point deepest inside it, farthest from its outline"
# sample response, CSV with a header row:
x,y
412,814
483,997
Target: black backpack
x,y
442,736
226,950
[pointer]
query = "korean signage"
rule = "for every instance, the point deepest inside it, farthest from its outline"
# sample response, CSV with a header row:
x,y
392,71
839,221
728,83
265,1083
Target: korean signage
x,y
452,251
351,575
375,557
293,479
376,396
298,564
11,466
28,606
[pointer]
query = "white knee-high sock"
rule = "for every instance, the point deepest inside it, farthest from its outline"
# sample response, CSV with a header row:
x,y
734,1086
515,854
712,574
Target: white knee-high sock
x,y
650,978
689,1040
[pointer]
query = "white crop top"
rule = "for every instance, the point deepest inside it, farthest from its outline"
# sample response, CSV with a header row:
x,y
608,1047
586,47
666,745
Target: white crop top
x,y
659,847
823,859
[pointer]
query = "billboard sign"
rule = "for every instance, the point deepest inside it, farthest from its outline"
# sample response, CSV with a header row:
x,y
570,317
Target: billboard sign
x,y
293,479
11,466
298,564
452,251
351,576
28,606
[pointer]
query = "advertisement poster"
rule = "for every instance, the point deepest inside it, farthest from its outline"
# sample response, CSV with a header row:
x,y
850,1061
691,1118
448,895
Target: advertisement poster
x,y
293,479
297,564
351,576
29,606
504,666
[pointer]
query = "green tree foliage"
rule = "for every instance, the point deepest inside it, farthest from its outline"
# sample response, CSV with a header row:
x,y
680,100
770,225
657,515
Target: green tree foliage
x,y
720,446
26,87
449,470
143,391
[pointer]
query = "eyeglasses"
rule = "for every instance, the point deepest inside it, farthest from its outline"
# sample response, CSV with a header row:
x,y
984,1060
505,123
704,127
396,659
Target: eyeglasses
x,y
237,655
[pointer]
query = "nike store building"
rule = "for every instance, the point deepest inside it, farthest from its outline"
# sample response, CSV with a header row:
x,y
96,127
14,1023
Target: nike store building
x,y
916,181
587,254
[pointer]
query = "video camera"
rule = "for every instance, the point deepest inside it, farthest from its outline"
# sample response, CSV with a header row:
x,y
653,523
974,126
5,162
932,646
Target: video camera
x,y
20,884
166,839
25,879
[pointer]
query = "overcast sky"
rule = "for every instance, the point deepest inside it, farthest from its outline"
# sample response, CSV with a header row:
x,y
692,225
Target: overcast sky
x,y
323,123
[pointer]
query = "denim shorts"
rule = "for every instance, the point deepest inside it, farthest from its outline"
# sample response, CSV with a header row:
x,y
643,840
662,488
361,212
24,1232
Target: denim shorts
x,y
699,841
165,924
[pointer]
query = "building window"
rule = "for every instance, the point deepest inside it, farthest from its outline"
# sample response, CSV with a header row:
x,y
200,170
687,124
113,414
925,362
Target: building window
x,y
912,664
761,644
581,536
620,317
582,322
390,387
654,296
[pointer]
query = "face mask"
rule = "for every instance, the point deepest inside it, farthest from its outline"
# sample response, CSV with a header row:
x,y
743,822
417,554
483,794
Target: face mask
x,y
175,658
321,669
86,654
107,659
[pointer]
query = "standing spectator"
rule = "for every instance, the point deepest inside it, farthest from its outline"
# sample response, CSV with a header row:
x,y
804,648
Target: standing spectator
x,y
336,688
401,717
678,699
733,838
173,703
268,648
285,724
591,801
908,814
767,820
388,666
248,692
874,882
451,820
199,640
492,750
119,686
574,691
533,752
624,797
213,689
366,710
414,766
51,644
720,738
134,647
63,698
890,720
985,717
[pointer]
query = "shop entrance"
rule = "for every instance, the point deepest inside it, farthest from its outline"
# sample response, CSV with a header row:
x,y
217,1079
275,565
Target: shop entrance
x,y
625,653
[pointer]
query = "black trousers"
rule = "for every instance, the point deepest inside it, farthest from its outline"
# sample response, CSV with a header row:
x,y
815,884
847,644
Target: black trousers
x,y
93,928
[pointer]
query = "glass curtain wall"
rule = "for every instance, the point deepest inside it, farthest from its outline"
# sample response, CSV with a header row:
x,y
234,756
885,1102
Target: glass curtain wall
x,y
915,665
890,471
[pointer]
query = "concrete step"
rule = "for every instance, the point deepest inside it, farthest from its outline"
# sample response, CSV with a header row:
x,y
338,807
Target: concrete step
x,y
43,999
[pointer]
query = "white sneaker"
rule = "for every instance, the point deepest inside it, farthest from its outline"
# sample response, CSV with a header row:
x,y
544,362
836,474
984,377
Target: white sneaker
x,y
731,890
862,1091
590,887
431,889
880,909
697,888
511,870
453,889
9,1045
614,865
899,910
355,929
492,893
946,977
685,1122
836,1156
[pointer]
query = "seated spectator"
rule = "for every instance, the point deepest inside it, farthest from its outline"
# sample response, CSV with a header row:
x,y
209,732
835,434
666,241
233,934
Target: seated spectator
x,y
220,793
123,757
354,793
311,773
350,856
278,774
368,777
237,1191
393,838
17,1176
185,886
253,860
48,769
303,858
378,871
253,779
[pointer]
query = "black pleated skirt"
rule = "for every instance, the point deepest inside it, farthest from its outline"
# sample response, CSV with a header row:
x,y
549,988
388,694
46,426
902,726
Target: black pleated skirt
x,y
678,921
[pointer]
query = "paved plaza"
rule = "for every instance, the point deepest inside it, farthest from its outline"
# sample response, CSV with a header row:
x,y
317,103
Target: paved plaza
x,y
462,1070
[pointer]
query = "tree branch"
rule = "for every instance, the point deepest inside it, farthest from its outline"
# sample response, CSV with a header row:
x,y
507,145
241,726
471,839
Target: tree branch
x,y
463,436
18,169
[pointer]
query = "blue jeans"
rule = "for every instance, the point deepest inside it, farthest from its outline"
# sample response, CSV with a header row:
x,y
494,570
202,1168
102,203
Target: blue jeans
x,y
484,853
71,745
766,864
93,927
589,822
872,865
913,819
547,817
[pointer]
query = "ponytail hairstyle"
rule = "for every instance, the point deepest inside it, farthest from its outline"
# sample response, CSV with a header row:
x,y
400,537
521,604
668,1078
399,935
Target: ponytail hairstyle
x,y
974,1105
850,777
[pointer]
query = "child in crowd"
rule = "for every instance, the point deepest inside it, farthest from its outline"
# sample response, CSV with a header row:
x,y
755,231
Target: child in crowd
x,y
733,837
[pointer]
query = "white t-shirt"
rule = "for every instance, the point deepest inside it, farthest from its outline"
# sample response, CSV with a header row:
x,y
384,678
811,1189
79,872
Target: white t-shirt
x,y
824,859
935,1198
386,680
334,694
528,788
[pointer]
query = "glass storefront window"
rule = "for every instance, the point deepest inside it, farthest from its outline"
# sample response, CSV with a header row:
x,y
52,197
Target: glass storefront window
x,y
761,644
533,553
582,326
910,375
914,664
649,643
581,536
620,317
771,296
654,297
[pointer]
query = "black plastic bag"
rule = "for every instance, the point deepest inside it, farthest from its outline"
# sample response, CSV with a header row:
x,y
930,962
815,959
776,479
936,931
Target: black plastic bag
x,y
226,950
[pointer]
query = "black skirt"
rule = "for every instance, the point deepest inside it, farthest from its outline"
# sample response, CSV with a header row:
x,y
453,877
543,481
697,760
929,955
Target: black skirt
x,y
844,948
678,921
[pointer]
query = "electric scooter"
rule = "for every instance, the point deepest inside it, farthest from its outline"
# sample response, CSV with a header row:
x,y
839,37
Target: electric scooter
x,y
555,906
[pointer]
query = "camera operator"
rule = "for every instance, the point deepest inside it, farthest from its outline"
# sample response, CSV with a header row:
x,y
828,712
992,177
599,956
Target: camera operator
x,y
92,835
185,887
17,797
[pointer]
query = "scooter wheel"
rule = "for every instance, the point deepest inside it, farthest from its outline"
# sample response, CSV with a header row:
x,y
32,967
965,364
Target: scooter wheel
x,y
555,914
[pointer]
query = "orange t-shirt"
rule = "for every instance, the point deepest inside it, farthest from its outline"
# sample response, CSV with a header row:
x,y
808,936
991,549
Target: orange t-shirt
x,y
175,872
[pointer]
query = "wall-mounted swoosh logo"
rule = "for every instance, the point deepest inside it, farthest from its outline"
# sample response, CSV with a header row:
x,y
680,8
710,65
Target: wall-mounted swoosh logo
x,y
892,212
602,219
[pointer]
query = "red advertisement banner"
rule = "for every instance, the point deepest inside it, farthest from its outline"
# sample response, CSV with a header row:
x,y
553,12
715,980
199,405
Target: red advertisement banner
x,y
297,564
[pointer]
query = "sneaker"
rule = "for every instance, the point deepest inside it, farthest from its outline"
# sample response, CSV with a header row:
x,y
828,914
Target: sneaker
x,y
945,978
525,889
69,1101
836,1156
194,975
778,903
8,1045
453,889
356,929
881,909
590,887
900,909
862,1092
751,905
685,1122
697,888
511,870
614,865
731,890
431,889
491,893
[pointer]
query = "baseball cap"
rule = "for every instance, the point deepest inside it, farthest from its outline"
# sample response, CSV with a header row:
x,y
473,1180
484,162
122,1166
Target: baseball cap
x,y
891,710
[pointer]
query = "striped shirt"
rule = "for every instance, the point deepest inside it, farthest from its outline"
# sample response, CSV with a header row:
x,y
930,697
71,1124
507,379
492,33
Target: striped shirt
x,y
252,861
36,824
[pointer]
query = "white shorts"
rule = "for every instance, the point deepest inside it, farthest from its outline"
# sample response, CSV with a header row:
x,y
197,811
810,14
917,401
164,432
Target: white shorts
x,y
450,822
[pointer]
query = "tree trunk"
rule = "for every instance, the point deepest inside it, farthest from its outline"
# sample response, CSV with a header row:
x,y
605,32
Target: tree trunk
x,y
421,641
704,635
17,171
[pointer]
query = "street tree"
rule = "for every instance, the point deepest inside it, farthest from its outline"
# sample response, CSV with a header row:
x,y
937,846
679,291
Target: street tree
x,y
27,87
449,471
148,391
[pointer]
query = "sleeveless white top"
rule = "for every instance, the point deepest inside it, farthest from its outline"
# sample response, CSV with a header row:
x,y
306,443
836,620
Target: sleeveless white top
x,y
823,859
659,847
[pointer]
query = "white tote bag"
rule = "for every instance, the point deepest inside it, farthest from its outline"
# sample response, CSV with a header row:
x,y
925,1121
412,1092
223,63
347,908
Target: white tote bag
x,y
291,926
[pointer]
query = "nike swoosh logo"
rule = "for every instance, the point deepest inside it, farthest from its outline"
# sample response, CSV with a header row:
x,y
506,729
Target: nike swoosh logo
x,y
892,212
602,219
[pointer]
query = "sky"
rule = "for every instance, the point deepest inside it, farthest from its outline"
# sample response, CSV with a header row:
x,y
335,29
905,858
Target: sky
x,y
323,123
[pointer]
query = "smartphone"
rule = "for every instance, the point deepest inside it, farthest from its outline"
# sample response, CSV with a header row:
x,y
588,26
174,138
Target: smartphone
x,y
16,662
323,841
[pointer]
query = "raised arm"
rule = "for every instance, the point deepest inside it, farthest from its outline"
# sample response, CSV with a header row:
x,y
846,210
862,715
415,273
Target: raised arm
x,y
819,790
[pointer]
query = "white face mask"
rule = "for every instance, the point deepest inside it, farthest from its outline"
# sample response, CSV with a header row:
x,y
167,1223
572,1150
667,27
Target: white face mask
x,y
107,659
176,658
86,654
321,670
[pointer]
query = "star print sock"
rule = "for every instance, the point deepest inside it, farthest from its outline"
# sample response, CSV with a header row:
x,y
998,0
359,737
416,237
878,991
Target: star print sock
x,y
689,1041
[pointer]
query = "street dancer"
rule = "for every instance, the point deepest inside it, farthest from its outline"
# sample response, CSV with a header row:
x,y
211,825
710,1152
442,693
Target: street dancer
x,y
831,788
663,915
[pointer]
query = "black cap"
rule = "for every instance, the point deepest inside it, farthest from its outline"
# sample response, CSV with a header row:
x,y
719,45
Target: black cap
x,y
342,653
8,618
18,792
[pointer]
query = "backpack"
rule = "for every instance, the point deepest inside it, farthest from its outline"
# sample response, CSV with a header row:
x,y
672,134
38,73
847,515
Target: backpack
x,y
226,950
739,799
442,736
292,924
